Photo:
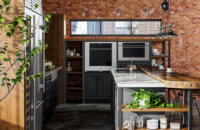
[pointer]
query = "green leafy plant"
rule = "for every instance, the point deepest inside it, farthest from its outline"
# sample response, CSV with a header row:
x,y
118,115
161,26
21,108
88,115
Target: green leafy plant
x,y
143,99
18,26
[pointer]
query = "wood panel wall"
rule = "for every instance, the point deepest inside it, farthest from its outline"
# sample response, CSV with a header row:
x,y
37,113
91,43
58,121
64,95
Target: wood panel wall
x,y
55,40
12,107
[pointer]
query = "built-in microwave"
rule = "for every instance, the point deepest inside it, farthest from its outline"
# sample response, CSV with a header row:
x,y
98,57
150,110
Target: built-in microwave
x,y
100,56
133,51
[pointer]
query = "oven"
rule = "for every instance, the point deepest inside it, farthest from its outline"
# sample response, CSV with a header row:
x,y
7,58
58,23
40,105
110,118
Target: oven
x,y
100,56
133,51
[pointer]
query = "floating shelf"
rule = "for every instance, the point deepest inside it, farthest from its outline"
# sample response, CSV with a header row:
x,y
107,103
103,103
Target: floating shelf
x,y
74,57
74,88
159,57
145,128
184,108
73,72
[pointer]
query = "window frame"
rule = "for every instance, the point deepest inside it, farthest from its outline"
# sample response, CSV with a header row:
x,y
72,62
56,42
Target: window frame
x,y
113,20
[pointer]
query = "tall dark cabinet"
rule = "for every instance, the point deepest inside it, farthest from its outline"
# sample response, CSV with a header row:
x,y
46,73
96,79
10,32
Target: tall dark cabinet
x,y
97,87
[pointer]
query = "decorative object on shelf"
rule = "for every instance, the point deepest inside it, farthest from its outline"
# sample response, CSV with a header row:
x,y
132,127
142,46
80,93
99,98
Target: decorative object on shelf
x,y
169,70
126,124
68,52
161,67
139,122
165,5
69,67
163,126
163,122
152,124
155,52
78,54
175,126
71,53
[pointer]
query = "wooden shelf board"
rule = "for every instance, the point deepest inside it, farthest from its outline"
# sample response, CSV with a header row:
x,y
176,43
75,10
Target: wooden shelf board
x,y
70,85
145,128
73,72
74,88
159,57
74,57
184,108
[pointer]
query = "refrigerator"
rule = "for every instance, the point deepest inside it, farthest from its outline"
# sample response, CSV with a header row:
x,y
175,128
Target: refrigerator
x,y
36,66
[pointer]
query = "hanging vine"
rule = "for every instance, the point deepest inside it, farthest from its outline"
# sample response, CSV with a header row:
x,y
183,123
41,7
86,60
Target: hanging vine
x,y
17,26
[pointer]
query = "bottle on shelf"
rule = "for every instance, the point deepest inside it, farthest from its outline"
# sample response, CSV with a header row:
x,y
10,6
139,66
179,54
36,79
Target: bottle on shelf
x,y
69,67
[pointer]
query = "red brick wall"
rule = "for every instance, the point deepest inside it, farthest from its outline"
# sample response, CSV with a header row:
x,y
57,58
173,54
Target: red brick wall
x,y
185,49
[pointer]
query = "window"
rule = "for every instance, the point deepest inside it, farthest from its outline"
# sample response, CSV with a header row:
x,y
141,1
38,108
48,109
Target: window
x,y
85,27
142,27
116,27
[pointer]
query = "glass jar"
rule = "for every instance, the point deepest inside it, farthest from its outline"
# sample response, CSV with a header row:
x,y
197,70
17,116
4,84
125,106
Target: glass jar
x,y
139,122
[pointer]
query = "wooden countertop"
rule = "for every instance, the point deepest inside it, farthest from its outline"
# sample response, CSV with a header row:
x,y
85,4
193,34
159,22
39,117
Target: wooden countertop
x,y
174,79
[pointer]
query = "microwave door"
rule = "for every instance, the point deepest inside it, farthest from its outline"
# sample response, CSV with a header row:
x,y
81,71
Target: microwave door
x,y
137,51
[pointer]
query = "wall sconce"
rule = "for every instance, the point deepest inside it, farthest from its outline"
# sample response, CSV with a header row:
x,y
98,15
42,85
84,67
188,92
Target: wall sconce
x,y
118,12
165,5
83,13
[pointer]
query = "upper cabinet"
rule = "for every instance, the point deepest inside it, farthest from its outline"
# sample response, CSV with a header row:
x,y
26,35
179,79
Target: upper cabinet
x,y
141,27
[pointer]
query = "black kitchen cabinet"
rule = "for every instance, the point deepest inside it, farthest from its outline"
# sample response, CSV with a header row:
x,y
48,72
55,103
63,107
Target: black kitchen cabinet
x,y
51,94
97,87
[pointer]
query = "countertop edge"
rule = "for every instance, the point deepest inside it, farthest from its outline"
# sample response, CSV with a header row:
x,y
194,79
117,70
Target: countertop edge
x,y
52,71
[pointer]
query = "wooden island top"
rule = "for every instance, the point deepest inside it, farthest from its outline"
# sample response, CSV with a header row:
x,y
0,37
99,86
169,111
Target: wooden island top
x,y
174,79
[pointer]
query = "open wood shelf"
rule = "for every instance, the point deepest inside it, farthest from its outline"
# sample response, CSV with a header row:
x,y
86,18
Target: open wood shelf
x,y
74,57
159,57
145,128
74,72
74,88
184,108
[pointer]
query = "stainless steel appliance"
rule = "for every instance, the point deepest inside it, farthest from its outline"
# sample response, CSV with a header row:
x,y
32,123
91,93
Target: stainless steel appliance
x,y
133,51
100,56
37,66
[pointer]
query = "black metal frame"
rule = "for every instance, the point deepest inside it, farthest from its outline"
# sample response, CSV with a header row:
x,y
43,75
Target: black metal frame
x,y
104,35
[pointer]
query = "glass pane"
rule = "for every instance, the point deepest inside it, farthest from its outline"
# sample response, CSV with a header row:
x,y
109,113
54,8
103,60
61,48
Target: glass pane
x,y
134,50
100,54
146,27
85,27
116,28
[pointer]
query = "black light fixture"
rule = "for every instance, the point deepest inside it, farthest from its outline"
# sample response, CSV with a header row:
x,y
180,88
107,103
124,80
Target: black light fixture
x,y
171,32
118,12
165,5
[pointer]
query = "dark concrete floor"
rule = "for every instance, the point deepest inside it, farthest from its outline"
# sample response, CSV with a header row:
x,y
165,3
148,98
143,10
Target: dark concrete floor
x,y
81,117
90,117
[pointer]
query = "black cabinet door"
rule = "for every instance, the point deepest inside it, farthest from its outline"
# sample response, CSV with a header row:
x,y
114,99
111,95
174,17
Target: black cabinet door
x,y
91,85
97,86
105,83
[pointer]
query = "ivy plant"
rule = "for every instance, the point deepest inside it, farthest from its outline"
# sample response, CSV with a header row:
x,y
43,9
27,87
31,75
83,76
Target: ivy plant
x,y
19,25
151,100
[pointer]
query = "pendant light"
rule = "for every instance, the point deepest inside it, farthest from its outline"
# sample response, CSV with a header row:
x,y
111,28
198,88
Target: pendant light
x,y
118,12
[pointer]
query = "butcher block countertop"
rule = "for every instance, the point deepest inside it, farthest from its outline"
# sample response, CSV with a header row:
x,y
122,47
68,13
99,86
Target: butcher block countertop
x,y
174,79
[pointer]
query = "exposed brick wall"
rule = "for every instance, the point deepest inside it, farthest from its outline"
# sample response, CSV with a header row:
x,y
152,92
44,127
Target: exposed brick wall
x,y
185,49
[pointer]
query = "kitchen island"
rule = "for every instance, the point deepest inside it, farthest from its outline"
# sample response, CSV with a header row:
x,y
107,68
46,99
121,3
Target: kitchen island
x,y
148,78
124,84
